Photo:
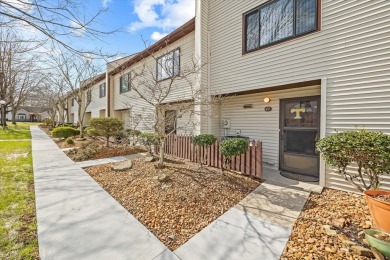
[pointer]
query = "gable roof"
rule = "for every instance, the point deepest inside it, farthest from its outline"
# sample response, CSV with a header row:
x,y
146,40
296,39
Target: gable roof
x,y
170,38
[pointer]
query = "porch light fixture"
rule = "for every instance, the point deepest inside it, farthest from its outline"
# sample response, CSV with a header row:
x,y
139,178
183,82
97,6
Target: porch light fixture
x,y
267,100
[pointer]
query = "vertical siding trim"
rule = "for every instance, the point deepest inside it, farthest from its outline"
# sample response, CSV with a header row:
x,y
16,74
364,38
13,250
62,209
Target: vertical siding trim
x,y
208,83
323,129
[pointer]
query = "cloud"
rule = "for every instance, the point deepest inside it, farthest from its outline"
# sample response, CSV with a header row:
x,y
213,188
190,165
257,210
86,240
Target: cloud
x,y
78,29
157,36
105,3
163,14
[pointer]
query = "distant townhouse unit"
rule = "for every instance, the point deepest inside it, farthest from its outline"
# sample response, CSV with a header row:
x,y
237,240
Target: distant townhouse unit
x,y
29,114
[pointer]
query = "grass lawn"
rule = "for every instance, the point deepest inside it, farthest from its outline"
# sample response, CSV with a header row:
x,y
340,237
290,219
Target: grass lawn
x,y
18,229
18,131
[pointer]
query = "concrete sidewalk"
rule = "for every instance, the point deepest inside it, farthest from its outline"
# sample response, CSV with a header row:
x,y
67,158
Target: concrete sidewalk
x,y
77,219
85,164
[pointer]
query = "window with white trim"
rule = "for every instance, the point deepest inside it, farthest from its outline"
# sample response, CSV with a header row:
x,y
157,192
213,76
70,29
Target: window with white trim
x,y
168,65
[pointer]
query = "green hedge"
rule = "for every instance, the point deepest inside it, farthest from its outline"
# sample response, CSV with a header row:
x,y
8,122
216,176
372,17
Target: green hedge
x,y
64,132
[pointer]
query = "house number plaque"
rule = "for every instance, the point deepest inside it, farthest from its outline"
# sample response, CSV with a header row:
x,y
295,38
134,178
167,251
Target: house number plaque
x,y
268,109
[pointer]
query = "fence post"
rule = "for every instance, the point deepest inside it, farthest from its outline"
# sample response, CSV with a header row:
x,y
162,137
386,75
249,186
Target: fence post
x,y
259,160
253,158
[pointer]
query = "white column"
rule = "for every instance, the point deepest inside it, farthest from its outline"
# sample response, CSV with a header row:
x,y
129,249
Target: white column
x,y
323,129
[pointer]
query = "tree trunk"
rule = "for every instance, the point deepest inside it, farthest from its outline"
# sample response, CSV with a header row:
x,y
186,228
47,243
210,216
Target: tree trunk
x,y
107,141
14,116
81,131
162,149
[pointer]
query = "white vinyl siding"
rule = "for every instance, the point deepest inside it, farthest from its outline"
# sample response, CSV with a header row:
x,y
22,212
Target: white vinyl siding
x,y
181,89
97,103
256,123
351,51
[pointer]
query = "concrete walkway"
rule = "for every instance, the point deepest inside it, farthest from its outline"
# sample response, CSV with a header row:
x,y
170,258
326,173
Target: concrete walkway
x,y
77,219
256,228
90,163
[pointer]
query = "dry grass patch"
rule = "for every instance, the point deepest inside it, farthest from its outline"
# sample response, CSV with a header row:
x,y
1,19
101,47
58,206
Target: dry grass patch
x,y
177,209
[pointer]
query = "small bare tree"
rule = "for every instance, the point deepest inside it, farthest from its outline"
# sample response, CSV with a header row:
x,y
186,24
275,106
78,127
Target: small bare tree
x,y
58,21
18,70
169,93
77,74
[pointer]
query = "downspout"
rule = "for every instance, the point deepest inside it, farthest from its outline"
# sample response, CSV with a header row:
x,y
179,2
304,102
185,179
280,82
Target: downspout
x,y
108,91
323,130
208,81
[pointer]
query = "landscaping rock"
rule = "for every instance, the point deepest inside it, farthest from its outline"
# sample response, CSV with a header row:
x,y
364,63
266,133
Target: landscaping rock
x,y
80,139
162,177
328,231
122,166
330,249
362,251
149,159
345,240
340,223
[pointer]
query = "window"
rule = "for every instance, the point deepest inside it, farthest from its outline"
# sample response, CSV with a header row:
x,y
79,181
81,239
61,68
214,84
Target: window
x,y
89,95
170,121
168,65
124,83
21,116
72,102
102,90
279,20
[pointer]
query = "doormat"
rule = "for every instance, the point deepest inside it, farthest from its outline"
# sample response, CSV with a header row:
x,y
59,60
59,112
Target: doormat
x,y
299,177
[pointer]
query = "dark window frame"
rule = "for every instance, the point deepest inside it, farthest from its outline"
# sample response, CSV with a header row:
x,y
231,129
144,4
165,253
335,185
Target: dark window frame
x,y
178,69
294,36
128,75
102,94
89,95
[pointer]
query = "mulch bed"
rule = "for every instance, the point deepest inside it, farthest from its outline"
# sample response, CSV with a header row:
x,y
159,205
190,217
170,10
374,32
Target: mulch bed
x,y
346,213
107,152
178,208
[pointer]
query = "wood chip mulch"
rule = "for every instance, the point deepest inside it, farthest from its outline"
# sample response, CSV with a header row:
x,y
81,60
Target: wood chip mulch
x,y
108,152
180,207
346,214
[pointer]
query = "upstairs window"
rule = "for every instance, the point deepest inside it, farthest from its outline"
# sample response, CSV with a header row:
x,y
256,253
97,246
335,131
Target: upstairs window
x,y
168,65
124,83
279,20
89,95
102,90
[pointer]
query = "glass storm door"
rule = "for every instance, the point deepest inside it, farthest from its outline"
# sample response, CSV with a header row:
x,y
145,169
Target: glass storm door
x,y
299,131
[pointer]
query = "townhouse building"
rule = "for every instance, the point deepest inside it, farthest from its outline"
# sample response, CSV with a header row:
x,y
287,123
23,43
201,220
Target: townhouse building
x,y
294,71
298,70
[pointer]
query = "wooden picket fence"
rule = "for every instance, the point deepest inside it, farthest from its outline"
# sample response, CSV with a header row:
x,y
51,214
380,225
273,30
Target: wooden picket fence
x,y
249,163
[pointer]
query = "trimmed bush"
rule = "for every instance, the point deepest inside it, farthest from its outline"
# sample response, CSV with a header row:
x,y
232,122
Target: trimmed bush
x,y
47,122
370,151
69,140
149,139
204,140
232,147
134,135
64,132
105,127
